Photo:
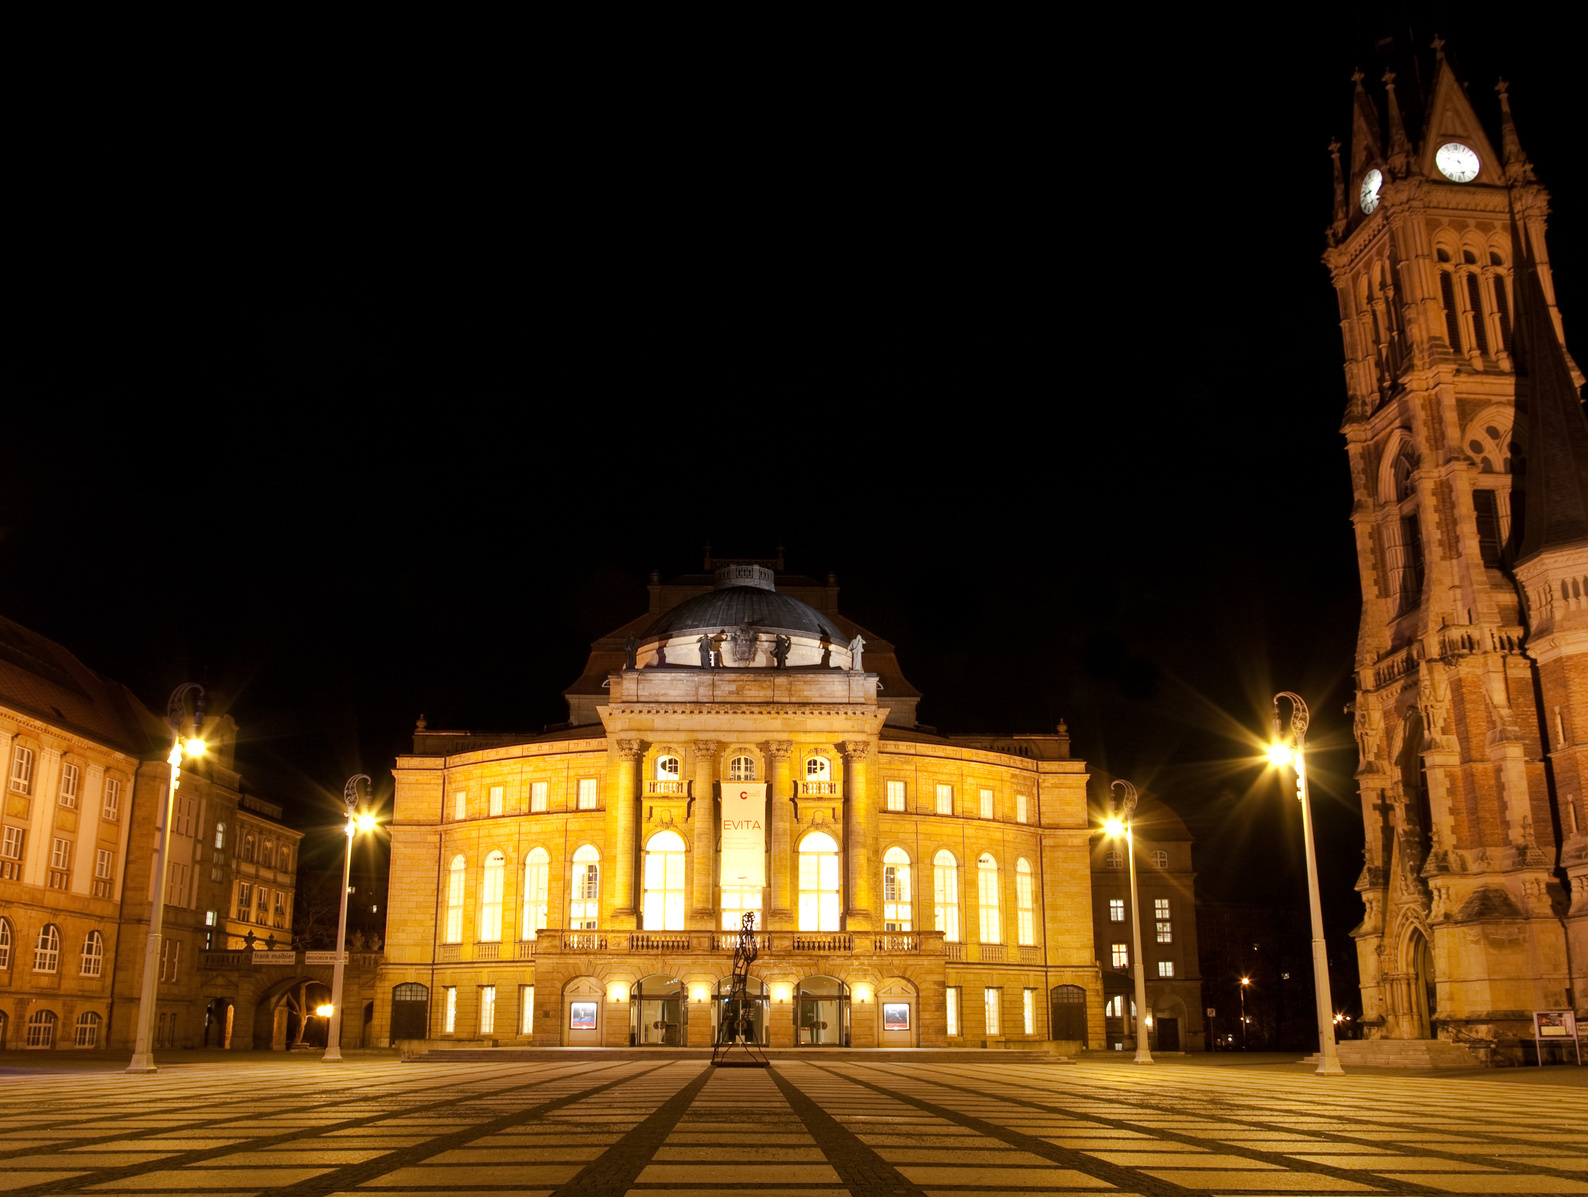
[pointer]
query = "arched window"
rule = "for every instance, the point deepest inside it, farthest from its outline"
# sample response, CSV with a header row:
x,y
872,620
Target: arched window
x,y
987,899
537,878
41,1028
491,899
896,895
586,904
285,863
268,854
818,882
662,905
220,836
93,954
248,847
741,768
5,944
1025,907
945,895
1160,859
47,950
455,901
667,768
818,768
1113,859
87,1030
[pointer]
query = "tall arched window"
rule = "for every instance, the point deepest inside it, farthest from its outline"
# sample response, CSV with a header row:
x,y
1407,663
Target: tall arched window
x,y
93,954
267,854
455,901
896,895
47,950
1025,905
741,768
662,903
818,883
220,836
817,768
41,1028
87,1029
248,847
537,877
585,907
5,944
491,899
945,895
667,768
987,899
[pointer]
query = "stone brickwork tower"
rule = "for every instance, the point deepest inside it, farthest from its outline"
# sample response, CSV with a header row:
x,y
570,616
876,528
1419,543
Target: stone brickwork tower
x,y
1468,451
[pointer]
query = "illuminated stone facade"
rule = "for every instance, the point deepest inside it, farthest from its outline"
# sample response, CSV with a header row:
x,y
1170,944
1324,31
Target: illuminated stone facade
x,y
565,889
1472,658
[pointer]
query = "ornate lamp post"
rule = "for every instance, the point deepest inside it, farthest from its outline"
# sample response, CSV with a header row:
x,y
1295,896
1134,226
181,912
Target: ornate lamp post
x,y
1119,823
1245,984
357,820
1293,751
191,745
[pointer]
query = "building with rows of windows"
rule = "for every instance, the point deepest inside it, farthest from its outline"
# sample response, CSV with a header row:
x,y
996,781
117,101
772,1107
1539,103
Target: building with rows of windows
x,y
740,751
84,797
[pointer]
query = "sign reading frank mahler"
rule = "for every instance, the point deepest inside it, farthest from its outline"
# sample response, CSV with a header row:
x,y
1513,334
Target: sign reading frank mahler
x,y
276,956
743,833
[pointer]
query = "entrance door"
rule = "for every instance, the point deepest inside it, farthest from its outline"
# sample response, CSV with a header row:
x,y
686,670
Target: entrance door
x,y
657,1006
1168,1034
821,1010
1424,992
410,1012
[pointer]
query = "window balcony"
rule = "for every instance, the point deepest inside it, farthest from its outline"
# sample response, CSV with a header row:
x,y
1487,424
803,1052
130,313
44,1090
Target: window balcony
x,y
820,789
666,789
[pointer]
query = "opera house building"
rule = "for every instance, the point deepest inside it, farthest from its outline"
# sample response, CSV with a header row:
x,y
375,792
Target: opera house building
x,y
741,750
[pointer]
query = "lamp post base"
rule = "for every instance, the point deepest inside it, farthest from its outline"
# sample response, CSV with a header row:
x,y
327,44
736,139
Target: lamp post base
x,y
142,1062
1143,1057
332,1056
1329,1067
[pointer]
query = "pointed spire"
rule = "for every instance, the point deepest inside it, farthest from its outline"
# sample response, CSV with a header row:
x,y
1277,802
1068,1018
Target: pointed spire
x,y
1366,135
1400,152
1439,48
1517,168
1341,212
1556,482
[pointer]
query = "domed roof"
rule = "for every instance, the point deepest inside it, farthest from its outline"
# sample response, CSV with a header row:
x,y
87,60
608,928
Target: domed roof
x,y
732,606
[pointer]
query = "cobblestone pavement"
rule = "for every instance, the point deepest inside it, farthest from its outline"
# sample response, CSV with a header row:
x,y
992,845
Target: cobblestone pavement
x,y
373,1126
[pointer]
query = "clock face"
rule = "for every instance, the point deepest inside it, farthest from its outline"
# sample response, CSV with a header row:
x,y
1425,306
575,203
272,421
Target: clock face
x,y
1456,162
1368,196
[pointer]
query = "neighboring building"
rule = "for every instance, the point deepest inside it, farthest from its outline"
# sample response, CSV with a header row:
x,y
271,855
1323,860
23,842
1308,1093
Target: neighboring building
x,y
585,885
1271,946
1469,465
1166,890
85,791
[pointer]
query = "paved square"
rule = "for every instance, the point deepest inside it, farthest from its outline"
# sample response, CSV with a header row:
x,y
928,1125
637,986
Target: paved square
x,y
806,1126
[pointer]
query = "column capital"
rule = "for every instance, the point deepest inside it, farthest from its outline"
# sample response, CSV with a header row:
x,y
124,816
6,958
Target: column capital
x,y
628,750
708,747
779,750
855,750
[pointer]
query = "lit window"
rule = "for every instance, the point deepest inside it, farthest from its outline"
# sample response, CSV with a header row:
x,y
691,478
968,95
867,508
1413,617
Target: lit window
x,y
896,896
22,769
1160,908
1022,815
735,902
491,898
281,909
1116,910
951,1008
449,1013
111,806
496,800
11,845
5,944
93,954
662,903
41,1028
817,768
986,804
526,1007
945,800
220,836
818,883
667,768
741,768
945,895
1166,968
1114,1007
1028,1010
991,1000
588,798
895,795
1160,859
987,899
487,1009
70,776
1025,904
455,901
248,847
1121,956
537,797
87,1030
1165,932
586,889
1114,859
537,884
245,900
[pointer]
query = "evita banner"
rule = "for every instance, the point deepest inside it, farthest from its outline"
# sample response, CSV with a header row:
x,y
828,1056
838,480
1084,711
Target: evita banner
x,y
743,833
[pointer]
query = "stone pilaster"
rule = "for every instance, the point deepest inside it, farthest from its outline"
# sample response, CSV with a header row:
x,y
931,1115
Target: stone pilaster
x,y
781,916
703,900
622,820
860,834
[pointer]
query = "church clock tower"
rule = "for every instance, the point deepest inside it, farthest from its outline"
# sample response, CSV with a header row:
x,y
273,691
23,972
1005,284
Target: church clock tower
x,y
1469,470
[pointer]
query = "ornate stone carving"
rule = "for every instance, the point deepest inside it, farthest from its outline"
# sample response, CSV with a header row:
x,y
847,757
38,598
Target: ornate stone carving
x,y
628,750
855,750
708,747
779,750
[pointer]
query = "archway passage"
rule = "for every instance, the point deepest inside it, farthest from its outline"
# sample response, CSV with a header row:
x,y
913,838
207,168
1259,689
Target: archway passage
x,y
1424,995
285,1017
656,1012
821,1012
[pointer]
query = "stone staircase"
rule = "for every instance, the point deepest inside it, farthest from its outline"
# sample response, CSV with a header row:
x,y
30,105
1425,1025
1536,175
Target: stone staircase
x,y
777,1055
1402,1053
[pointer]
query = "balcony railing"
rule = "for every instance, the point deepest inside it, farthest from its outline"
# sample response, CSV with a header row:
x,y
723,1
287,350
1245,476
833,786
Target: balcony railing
x,y
665,789
771,943
820,789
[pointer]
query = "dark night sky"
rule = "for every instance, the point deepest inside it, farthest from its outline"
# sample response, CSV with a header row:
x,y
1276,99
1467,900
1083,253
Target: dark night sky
x,y
377,392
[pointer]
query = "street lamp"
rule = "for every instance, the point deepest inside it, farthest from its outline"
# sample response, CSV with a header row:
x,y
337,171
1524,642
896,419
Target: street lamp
x,y
357,820
1245,984
1294,752
1119,824
190,745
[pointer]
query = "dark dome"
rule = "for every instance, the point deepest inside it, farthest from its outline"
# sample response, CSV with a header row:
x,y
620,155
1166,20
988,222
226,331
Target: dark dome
x,y
735,605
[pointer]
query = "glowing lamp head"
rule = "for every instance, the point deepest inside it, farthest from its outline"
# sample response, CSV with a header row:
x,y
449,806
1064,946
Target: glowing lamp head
x,y
365,822
1114,825
1246,980
325,1010
1280,755
194,747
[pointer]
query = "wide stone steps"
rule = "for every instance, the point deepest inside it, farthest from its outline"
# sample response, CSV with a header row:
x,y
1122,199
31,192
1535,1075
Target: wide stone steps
x,y
1402,1053
900,1055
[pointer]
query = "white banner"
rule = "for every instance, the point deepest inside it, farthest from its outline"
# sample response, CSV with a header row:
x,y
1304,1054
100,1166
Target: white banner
x,y
743,833
324,957
278,956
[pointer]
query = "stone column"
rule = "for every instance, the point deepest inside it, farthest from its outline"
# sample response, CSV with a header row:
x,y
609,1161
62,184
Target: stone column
x,y
860,835
702,915
781,916
621,821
